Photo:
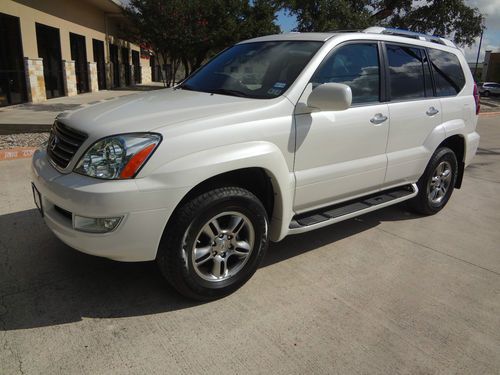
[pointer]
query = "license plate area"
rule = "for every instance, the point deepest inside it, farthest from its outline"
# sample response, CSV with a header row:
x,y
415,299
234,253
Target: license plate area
x,y
37,197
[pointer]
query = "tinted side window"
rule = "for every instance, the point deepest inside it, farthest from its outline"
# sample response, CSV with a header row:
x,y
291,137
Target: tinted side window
x,y
408,73
448,74
356,65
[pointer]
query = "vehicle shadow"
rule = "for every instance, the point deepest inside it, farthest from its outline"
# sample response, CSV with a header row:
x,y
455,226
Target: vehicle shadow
x,y
45,283
295,245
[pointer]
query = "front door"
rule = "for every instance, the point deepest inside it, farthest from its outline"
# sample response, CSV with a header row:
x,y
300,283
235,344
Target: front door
x,y
12,79
49,49
341,154
98,47
79,56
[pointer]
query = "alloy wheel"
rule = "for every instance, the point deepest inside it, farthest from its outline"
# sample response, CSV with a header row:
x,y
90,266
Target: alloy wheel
x,y
223,246
440,182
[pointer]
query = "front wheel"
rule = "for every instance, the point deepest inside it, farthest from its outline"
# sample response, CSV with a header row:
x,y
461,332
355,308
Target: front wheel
x,y
437,183
214,243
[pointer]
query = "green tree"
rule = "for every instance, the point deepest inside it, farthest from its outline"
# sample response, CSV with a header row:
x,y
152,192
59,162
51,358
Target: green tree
x,y
328,15
187,32
450,18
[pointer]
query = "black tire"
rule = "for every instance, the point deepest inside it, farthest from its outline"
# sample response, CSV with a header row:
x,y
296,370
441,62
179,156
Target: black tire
x,y
486,94
175,253
422,203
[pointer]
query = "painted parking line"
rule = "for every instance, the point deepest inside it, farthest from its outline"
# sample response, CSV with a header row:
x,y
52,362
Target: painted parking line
x,y
17,153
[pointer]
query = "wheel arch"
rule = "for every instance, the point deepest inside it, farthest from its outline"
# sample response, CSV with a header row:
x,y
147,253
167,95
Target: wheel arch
x,y
457,144
254,179
259,167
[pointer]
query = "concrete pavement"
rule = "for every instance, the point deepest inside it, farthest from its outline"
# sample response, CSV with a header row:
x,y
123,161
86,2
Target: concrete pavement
x,y
490,104
389,292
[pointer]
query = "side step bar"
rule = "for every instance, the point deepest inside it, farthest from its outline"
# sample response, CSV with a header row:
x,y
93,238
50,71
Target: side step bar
x,y
346,210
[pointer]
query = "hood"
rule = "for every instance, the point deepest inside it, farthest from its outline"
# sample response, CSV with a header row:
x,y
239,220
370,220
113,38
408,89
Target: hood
x,y
153,110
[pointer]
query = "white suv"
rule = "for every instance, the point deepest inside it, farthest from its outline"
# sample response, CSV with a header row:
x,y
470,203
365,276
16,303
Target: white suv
x,y
275,136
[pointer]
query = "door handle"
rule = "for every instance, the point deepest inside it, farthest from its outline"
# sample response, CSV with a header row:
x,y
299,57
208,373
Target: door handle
x,y
432,111
378,119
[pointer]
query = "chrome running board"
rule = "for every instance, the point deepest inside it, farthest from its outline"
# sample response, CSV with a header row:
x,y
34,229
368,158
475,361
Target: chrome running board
x,y
333,214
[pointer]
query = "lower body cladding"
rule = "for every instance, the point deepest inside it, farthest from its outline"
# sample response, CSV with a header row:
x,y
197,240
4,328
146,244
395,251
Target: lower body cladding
x,y
67,200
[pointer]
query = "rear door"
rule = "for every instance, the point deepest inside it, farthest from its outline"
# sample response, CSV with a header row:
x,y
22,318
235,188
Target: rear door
x,y
413,109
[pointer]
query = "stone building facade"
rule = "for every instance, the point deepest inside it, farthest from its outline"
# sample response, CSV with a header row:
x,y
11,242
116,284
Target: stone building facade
x,y
64,47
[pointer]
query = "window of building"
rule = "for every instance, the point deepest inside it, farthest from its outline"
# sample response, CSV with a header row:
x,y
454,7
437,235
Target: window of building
x,y
448,75
12,79
355,65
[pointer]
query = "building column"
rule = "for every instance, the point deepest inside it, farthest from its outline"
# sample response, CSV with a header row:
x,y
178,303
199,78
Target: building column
x,y
122,74
69,78
93,80
146,74
109,75
35,82
132,75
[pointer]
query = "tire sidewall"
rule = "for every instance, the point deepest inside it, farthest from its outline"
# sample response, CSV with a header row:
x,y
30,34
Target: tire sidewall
x,y
175,252
442,154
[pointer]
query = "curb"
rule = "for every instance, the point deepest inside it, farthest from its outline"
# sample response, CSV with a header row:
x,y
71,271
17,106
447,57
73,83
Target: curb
x,y
17,153
7,129
486,114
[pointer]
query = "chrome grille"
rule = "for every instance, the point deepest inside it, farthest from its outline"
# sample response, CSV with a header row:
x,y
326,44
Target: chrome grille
x,y
63,143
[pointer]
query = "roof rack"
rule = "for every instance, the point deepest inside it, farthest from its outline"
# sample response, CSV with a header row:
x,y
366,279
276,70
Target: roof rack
x,y
410,34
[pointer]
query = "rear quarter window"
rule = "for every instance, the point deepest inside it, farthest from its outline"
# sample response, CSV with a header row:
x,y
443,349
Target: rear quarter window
x,y
409,75
449,77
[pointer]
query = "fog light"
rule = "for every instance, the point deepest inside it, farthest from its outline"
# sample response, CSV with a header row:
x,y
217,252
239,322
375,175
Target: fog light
x,y
95,224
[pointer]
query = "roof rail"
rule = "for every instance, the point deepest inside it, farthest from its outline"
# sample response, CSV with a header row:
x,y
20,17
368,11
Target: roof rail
x,y
410,34
346,31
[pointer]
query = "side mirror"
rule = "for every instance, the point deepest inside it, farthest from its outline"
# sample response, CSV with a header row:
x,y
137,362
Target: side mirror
x,y
330,97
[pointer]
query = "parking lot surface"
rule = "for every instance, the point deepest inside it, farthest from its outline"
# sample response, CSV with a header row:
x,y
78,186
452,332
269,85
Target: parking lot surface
x,y
389,292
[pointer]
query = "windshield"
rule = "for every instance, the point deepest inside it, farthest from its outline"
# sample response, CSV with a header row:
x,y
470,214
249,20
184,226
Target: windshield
x,y
262,70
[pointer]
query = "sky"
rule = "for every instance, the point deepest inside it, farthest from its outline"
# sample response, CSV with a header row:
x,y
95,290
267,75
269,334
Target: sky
x,y
491,38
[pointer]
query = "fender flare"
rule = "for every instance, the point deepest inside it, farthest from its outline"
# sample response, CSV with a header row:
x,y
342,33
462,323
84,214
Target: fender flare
x,y
193,169
442,132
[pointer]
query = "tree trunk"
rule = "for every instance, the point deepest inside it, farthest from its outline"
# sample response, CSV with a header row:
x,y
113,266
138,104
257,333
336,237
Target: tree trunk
x,y
175,67
185,64
161,70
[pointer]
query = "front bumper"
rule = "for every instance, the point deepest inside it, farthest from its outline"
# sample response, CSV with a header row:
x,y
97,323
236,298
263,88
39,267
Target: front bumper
x,y
145,211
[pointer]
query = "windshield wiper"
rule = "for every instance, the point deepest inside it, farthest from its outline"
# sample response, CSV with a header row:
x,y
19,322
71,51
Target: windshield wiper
x,y
229,92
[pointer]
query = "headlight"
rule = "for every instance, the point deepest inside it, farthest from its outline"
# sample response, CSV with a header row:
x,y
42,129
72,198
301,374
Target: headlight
x,y
118,157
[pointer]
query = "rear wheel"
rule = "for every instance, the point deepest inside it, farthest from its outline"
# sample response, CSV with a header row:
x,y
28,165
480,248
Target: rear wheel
x,y
437,183
214,243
